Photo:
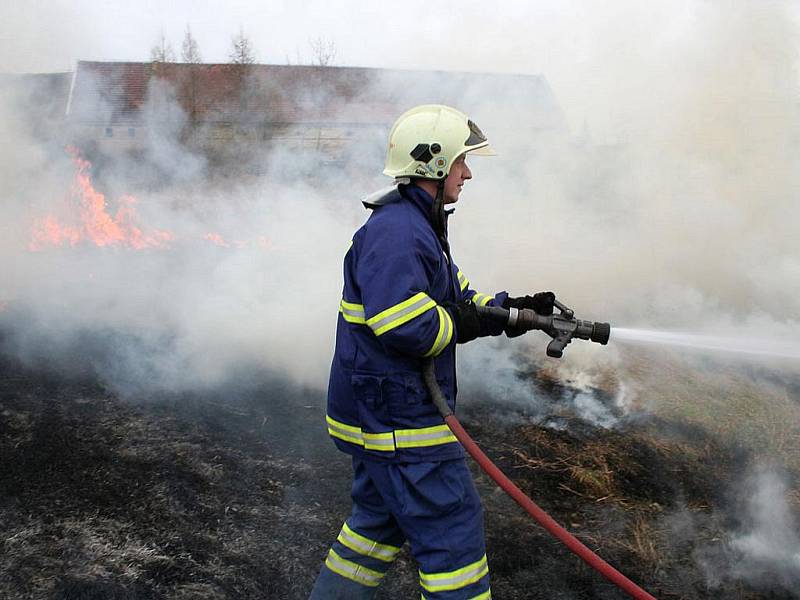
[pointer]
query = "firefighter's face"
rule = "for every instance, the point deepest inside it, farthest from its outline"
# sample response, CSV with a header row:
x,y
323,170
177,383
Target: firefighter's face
x,y
459,173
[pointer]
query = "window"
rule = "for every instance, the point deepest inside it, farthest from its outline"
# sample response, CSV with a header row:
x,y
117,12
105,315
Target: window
x,y
109,132
131,132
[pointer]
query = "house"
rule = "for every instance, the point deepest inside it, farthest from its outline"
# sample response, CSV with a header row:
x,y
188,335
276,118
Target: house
x,y
240,113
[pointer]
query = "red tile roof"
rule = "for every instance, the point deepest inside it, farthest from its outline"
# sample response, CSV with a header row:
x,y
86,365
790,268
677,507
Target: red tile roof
x,y
118,92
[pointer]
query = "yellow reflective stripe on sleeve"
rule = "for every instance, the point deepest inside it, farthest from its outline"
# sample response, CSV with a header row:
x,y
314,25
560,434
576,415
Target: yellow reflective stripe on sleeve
x,y
352,313
463,282
379,441
367,547
482,299
425,436
445,333
351,570
454,580
396,315
348,433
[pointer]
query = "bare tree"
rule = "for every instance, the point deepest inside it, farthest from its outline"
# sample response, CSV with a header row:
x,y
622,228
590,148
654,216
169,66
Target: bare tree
x,y
190,52
323,51
243,52
162,51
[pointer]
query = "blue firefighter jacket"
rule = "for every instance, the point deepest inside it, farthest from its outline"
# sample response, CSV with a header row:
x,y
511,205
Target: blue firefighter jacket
x,y
397,279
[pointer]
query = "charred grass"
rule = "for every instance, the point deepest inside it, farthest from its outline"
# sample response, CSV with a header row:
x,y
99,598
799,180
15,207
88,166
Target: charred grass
x,y
239,494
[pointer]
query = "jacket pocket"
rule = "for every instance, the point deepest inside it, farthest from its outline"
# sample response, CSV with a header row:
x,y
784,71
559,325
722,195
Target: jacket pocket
x,y
374,413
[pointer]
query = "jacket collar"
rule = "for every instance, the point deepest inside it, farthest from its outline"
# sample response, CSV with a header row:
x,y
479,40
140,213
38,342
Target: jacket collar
x,y
422,200
418,197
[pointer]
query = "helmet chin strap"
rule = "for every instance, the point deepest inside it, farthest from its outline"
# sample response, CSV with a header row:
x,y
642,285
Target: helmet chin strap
x,y
438,215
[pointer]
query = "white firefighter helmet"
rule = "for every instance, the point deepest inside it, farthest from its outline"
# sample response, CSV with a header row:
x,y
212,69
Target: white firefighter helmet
x,y
426,140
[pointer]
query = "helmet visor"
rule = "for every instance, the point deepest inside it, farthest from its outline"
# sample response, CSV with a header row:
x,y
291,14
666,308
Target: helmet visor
x,y
477,138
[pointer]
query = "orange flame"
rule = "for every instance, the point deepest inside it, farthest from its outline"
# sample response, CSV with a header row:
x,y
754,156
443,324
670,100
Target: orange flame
x,y
95,224
217,240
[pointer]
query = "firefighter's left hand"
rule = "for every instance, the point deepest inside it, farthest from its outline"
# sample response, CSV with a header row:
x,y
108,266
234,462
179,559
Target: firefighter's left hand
x,y
541,303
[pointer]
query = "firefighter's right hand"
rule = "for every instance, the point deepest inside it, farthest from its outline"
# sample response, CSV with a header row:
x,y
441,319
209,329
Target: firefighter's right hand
x,y
466,320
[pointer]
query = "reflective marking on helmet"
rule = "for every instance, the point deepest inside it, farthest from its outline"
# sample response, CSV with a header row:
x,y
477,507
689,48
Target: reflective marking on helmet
x,y
348,433
352,313
379,441
482,299
423,437
400,313
454,580
463,282
367,547
351,570
445,333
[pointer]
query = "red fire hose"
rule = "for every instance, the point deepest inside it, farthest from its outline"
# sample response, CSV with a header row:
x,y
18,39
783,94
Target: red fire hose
x,y
508,486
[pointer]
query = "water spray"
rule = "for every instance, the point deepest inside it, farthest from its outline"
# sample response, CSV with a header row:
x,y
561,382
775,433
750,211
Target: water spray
x,y
789,349
562,327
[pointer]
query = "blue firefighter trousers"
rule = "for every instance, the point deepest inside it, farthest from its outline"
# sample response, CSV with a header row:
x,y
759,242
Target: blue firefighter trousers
x,y
434,506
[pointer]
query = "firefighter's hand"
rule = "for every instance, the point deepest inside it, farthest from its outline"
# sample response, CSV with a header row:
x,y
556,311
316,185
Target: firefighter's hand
x,y
541,303
466,321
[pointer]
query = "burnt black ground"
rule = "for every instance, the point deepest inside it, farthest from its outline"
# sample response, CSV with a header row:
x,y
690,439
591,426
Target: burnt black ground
x,y
237,493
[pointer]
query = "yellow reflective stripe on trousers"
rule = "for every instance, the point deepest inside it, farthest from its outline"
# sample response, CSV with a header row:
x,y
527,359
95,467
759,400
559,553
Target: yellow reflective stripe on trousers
x,y
463,282
351,570
487,595
482,299
367,547
396,315
348,433
424,436
454,580
352,312
445,333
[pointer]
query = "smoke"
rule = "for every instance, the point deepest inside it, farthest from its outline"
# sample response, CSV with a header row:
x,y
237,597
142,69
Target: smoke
x,y
683,220
673,208
765,548
247,280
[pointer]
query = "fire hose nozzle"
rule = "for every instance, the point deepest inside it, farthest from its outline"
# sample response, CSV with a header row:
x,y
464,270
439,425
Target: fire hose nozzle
x,y
562,327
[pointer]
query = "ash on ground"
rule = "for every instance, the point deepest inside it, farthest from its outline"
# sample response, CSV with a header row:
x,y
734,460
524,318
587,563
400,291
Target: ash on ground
x,y
238,493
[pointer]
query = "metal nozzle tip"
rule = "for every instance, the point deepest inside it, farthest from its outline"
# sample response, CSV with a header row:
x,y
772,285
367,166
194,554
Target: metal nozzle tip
x,y
601,332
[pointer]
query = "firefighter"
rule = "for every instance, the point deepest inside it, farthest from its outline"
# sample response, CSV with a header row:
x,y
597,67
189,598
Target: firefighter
x,y
405,300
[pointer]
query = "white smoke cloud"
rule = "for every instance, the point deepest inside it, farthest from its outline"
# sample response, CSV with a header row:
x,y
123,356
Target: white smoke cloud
x,y
765,549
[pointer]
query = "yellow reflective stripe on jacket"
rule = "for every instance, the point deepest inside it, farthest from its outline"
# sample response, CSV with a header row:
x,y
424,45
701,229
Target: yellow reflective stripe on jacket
x,y
454,580
365,546
379,441
463,282
352,313
482,299
348,433
424,436
351,570
445,333
389,441
400,313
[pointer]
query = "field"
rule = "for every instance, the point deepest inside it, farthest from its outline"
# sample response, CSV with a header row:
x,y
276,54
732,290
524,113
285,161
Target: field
x,y
237,493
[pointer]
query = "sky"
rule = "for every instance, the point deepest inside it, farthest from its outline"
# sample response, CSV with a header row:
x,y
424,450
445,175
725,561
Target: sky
x,y
574,44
